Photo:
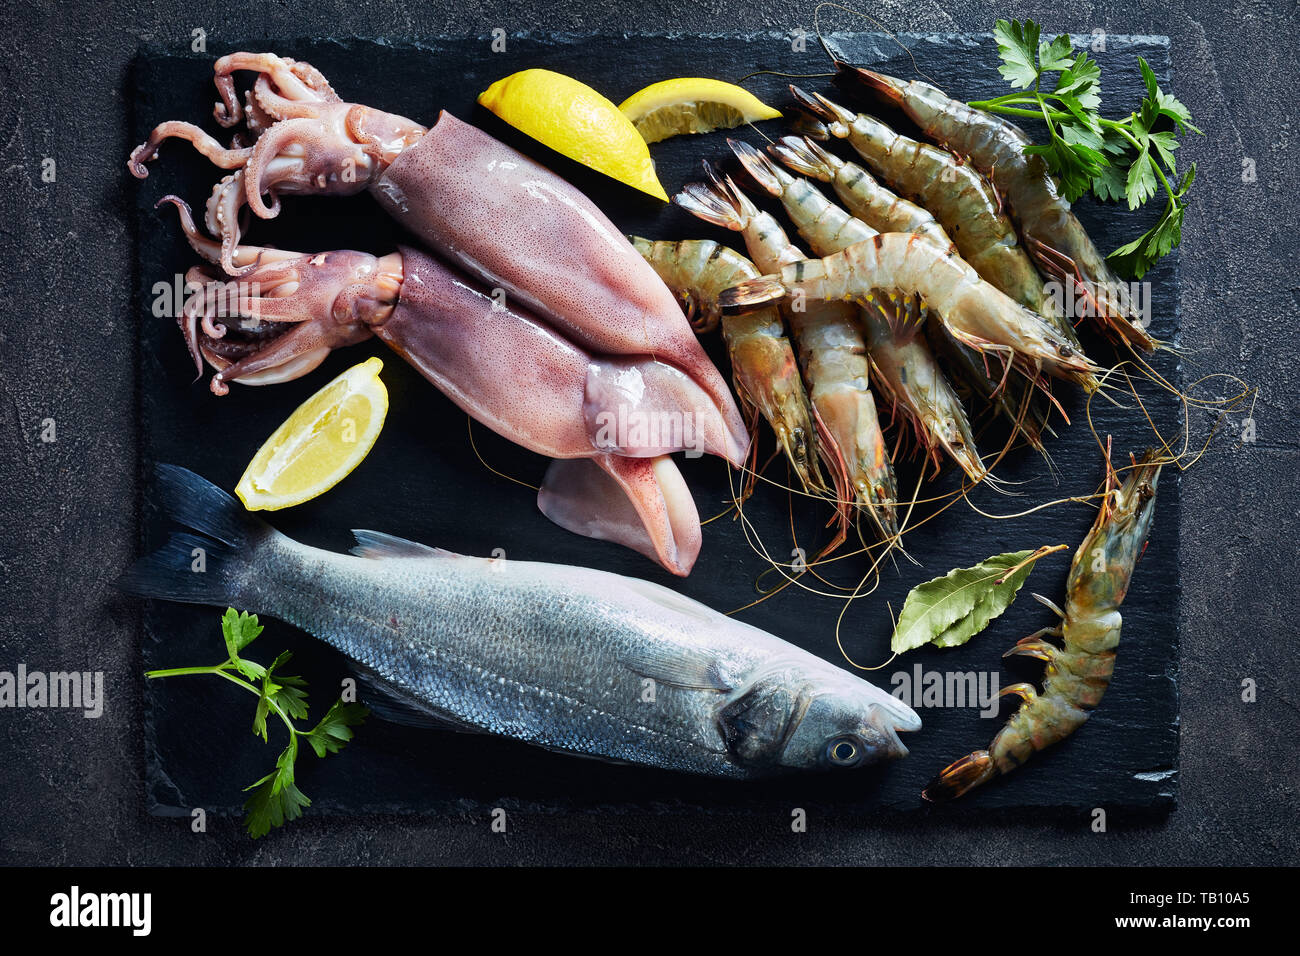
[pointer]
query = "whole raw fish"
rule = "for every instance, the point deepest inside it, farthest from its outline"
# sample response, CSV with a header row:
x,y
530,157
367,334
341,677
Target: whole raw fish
x,y
568,658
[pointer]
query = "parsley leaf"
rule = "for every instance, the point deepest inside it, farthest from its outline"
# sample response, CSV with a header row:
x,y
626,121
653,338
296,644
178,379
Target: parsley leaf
x,y
1111,158
1141,183
1137,257
239,630
335,728
1054,55
1081,81
275,798
1018,47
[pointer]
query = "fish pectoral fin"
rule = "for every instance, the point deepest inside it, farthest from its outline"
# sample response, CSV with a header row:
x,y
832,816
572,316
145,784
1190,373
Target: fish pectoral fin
x,y
378,545
678,667
389,702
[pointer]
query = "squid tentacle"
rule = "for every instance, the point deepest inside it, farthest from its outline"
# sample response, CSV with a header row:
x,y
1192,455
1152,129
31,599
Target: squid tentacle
x,y
305,83
147,151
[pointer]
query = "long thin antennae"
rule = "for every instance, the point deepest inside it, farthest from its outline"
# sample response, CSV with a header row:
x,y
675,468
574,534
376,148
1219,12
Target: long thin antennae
x,y
872,20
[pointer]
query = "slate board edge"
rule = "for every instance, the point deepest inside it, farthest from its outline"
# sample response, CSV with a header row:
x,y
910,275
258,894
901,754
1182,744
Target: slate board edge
x,y
162,803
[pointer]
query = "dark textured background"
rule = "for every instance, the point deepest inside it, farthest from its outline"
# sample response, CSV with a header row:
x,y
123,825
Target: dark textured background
x,y
72,789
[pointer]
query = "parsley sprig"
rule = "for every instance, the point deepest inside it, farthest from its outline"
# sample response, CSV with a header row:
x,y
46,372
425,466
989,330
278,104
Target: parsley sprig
x,y
275,798
1130,158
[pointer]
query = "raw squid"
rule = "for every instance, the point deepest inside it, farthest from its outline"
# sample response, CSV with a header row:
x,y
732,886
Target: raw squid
x,y
486,208
614,420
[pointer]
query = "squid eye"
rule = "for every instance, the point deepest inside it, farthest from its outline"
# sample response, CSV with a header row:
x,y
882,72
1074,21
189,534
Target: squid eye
x,y
844,751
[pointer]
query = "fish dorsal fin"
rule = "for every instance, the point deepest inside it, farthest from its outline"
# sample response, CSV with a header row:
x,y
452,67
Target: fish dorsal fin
x,y
671,600
378,545
686,667
391,703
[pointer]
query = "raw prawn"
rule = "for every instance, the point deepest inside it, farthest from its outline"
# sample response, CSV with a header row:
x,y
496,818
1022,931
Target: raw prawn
x,y
960,198
763,367
1079,671
833,354
1053,234
861,193
975,312
885,211
903,365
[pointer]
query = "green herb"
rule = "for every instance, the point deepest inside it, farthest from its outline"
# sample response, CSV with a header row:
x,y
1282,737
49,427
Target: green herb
x,y
275,797
950,610
1130,158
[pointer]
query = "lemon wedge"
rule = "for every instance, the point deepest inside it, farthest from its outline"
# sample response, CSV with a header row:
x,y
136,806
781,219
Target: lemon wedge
x,y
692,105
320,443
573,119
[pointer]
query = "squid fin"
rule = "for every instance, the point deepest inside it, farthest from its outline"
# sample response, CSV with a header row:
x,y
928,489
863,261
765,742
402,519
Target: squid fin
x,y
640,503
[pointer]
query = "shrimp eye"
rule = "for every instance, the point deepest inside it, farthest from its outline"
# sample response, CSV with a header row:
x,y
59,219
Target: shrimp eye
x,y
1065,351
844,751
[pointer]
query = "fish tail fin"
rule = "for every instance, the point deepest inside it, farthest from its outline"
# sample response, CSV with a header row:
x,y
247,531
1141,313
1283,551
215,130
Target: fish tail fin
x,y
213,565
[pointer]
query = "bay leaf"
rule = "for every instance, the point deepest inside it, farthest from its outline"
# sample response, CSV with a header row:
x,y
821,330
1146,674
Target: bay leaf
x,y
949,610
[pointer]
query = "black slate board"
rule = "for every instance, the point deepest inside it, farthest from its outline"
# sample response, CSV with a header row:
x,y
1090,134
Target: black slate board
x,y
423,480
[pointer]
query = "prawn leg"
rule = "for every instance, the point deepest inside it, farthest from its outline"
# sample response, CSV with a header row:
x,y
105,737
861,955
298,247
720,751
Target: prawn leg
x,y
1079,671
901,363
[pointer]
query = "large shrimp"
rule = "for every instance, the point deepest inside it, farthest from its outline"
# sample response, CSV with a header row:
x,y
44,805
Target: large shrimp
x,y
763,366
832,349
975,312
1079,672
885,211
954,191
862,194
1053,234
1016,399
902,363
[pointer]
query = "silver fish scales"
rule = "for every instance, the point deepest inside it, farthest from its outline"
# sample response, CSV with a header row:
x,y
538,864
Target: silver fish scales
x,y
568,658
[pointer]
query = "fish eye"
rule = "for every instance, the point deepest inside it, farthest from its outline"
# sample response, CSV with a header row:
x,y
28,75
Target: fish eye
x,y
844,751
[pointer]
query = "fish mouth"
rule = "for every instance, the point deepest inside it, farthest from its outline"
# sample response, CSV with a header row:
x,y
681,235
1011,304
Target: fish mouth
x,y
888,721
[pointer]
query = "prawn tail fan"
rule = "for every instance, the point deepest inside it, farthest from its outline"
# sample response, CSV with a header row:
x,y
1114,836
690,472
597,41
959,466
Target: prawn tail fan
x,y
751,295
960,776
